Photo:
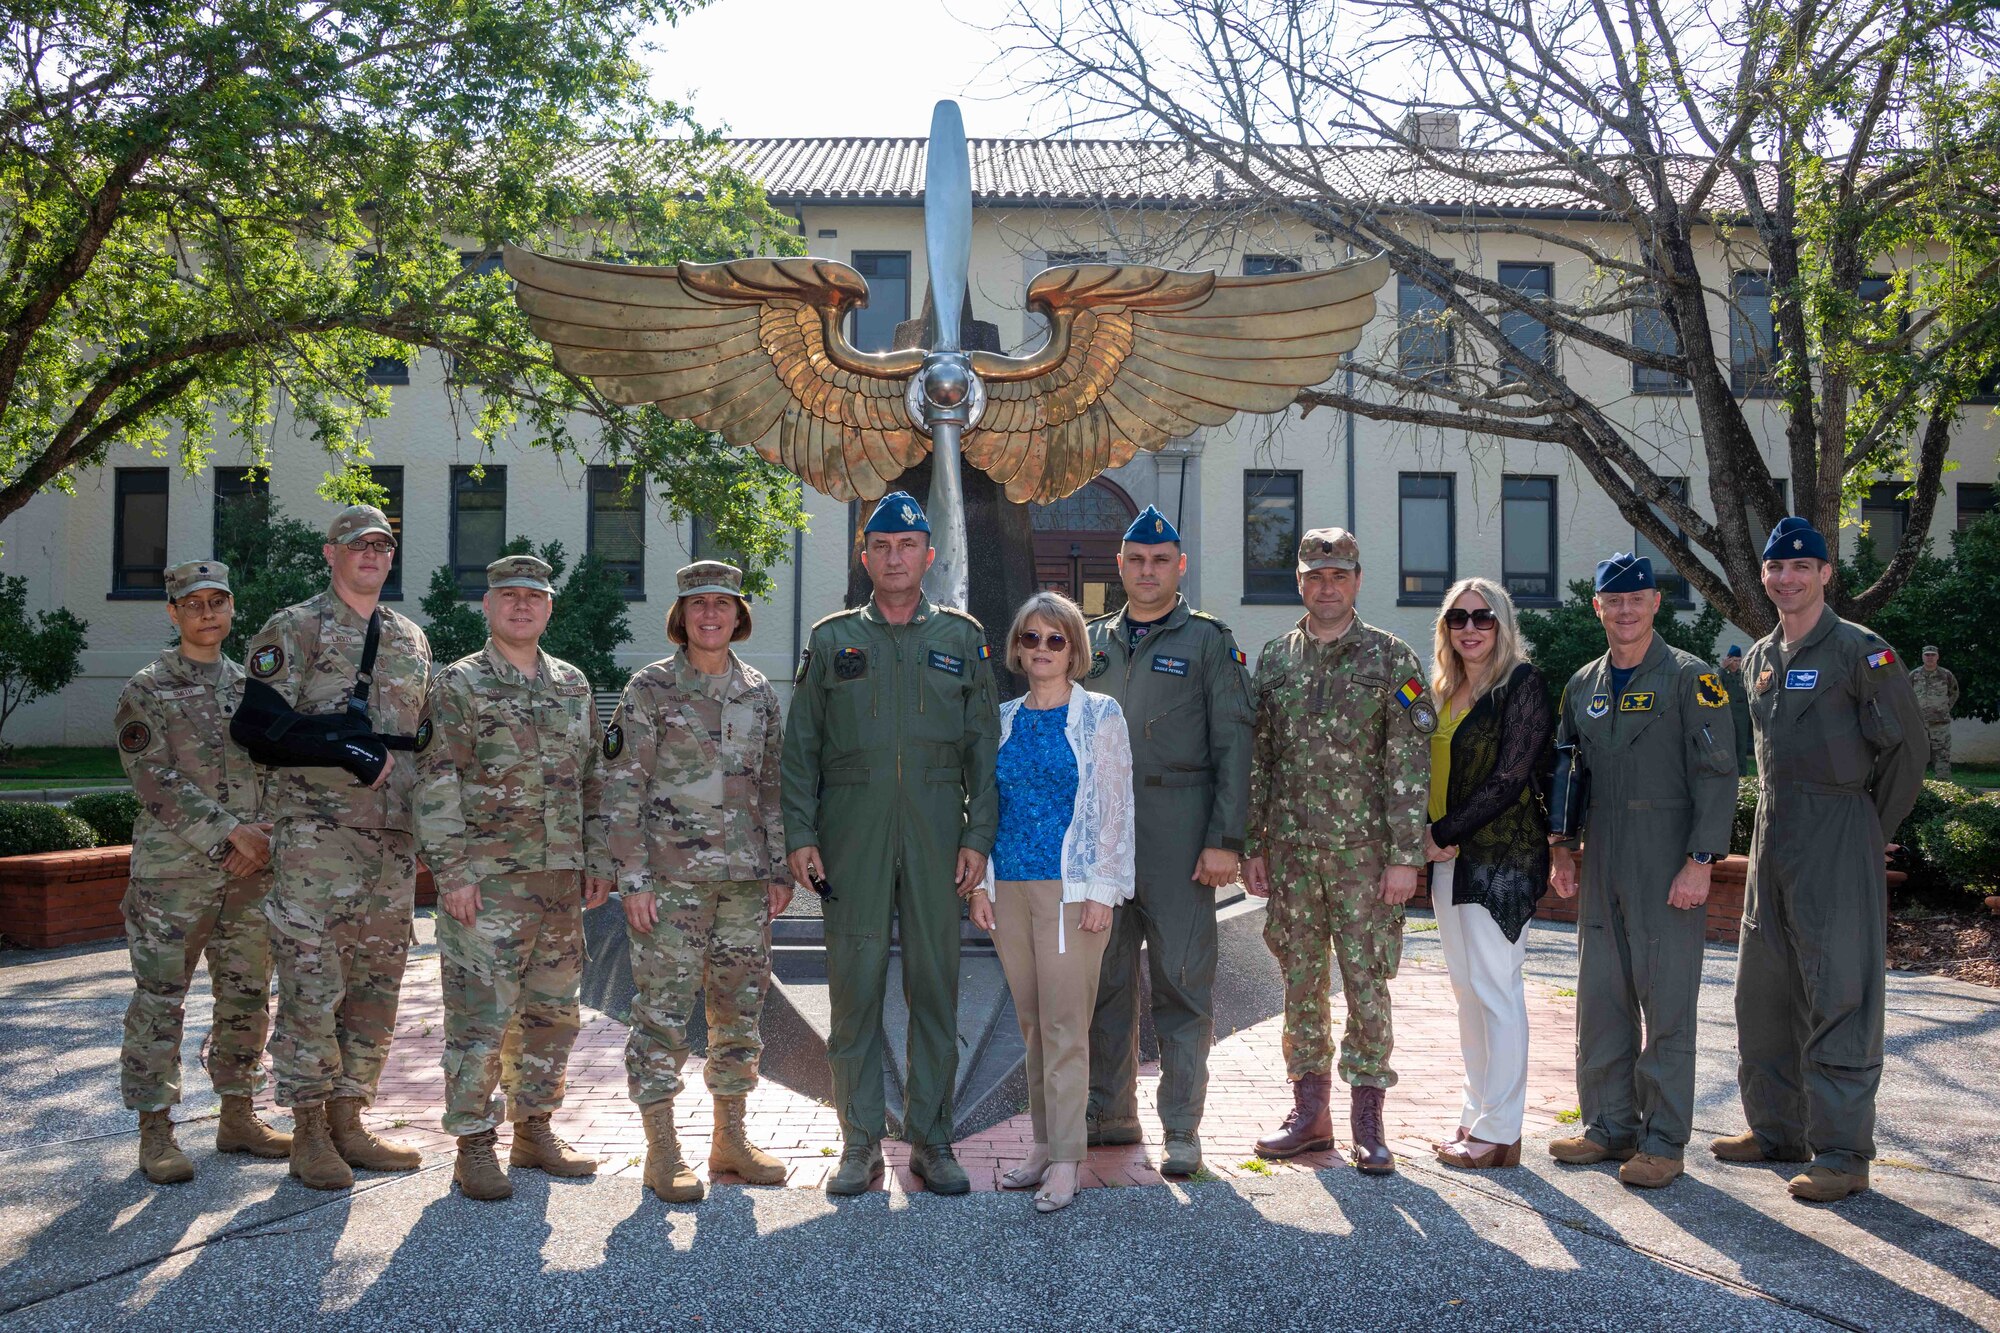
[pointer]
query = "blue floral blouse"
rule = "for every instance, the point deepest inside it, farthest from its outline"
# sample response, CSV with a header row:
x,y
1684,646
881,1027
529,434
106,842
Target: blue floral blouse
x,y
1037,779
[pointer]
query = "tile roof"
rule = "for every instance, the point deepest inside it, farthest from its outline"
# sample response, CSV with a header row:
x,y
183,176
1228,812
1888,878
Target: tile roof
x,y
1057,172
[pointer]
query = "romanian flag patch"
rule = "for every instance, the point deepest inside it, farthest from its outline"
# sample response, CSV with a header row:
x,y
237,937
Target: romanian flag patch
x,y
1238,654
1882,659
1412,690
985,653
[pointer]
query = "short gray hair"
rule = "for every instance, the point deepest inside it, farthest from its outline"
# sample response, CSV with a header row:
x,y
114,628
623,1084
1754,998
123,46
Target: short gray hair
x,y
1066,616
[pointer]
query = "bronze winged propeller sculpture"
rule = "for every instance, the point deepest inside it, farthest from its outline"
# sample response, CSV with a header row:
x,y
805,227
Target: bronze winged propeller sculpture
x,y
753,350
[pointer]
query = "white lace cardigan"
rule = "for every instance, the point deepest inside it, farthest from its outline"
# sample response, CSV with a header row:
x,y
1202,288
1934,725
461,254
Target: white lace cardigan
x,y
1097,851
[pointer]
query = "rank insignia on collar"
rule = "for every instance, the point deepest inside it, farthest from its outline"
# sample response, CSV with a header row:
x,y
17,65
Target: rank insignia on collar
x,y
1764,681
1100,662
1600,704
1638,701
1708,691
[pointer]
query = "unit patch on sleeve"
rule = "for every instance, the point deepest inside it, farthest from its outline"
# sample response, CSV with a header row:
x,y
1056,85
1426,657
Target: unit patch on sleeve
x,y
614,741
946,662
135,737
1100,662
805,665
265,661
1172,666
424,734
1600,704
1709,693
1638,701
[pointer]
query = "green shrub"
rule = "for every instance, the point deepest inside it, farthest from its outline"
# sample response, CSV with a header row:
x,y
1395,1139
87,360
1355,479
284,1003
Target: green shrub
x,y
110,813
1745,822
27,828
1964,844
1939,796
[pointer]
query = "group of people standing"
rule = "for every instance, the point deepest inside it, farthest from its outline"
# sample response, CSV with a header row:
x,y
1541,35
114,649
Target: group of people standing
x,y
1143,770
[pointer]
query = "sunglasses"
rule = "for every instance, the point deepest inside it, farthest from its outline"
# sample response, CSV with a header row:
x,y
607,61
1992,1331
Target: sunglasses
x,y
378,546
1033,639
1458,618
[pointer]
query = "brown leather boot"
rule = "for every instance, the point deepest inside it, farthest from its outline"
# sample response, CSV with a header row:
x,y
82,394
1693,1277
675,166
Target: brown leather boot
x,y
360,1146
538,1146
315,1163
730,1149
477,1170
1308,1126
666,1174
241,1129
159,1156
1369,1153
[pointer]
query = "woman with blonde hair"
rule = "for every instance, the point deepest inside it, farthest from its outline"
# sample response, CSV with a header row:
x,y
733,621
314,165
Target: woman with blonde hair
x,y
1062,860
1488,847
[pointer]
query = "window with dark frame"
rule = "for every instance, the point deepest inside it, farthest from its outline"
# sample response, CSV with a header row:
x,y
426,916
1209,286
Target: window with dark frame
x,y
390,479
1529,335
1673,585
242,498
1975,501
1885,517
1271,532
617,529
888,275
139,534
1257,266
1423,334
1653,332
478,525
1528,540
1427,537
1753,337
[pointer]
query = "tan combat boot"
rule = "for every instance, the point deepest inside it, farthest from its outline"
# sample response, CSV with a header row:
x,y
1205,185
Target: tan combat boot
x,y
314,1161
1586,1151
159,1156
1823,1184
242,1130
666,1174
730,1149
1650,1171
477,1170
1747,1147
360,1146
540,1147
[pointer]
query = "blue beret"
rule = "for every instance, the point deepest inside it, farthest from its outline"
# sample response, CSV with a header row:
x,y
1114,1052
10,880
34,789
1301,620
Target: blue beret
x,y
1625,572
1795,539
897,511
1151,528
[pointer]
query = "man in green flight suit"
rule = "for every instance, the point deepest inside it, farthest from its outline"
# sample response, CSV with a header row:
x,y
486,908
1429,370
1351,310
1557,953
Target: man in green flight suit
x,y
1651,725
890,806
1840,759
1182,683
1738,686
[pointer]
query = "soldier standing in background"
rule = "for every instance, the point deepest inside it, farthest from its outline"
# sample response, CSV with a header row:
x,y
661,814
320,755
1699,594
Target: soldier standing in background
x,y
1339,783
1739,705
1937,694
509,824
890,800
1651,726
343,855
691,797
1180,679
1840,759
199,873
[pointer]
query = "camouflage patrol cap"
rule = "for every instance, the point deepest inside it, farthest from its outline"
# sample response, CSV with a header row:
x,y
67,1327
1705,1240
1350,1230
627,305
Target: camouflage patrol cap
x,y
520,571
357,521
709,576
1930,648
1329,548
194,575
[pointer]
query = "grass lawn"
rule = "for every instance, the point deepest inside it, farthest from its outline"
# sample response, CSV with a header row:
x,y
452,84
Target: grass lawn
x,y
1976,775
60,766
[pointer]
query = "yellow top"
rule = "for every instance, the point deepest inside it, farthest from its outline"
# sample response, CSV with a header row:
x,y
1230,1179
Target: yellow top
x,y
1441,759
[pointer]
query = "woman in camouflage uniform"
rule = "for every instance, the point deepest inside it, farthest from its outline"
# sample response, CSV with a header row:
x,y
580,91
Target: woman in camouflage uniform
x,y
698,840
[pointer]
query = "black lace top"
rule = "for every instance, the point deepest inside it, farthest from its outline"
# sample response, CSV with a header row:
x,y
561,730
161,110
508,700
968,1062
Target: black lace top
x,y
1502,759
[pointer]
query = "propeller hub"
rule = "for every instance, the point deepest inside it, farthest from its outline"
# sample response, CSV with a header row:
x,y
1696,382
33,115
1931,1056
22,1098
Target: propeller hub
x,y
946,390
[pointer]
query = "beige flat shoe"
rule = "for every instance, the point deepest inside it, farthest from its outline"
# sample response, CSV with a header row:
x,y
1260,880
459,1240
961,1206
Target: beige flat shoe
x,y
1023,1177
1052,1200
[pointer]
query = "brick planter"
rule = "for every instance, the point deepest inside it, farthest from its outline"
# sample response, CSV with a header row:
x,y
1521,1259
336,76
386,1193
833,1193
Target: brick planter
x,y
58,898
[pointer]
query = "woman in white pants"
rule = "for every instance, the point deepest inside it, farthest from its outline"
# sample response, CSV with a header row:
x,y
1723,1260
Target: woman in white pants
x,y
1491,756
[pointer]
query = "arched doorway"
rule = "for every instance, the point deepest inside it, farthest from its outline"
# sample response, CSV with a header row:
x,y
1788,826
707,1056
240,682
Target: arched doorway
x,y
1076,545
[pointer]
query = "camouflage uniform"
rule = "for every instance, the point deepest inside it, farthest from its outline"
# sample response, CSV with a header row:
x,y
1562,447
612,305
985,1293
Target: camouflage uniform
x,y
508,800
1937,695
194,786
691,800
344,856
1339,777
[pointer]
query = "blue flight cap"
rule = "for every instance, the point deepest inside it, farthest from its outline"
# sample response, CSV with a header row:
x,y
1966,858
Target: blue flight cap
x,y
1735,650
1151,529
1795,539
897,511
1625,572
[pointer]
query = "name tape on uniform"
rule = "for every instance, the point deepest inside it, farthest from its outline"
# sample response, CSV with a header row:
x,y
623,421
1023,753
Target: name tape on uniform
x,y
946,662
1802,680
1638,701
1172,666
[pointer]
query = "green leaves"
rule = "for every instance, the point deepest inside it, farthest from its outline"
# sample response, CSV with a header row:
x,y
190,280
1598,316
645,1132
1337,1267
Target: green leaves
x,y
39,654
1567,637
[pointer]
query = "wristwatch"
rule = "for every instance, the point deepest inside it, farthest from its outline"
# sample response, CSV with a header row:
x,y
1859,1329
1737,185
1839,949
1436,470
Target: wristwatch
x,y
1704,858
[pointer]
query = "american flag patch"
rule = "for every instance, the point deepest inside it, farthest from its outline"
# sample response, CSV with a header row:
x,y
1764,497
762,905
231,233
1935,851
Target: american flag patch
x,y
1412,690
1241,660
1881,659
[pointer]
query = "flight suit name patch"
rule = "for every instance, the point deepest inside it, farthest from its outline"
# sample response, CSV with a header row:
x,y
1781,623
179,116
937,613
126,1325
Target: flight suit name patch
x,y
1639,702
1172,666
1802,680
946,662
850,664
1600,704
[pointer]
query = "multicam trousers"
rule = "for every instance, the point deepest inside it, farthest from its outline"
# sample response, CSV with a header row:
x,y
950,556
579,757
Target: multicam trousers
x,y
1940,736
169,925
1330,903
712,940
340,936
511,981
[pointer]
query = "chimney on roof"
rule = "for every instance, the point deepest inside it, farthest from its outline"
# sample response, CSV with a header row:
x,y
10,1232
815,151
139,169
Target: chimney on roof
x,y
1431,129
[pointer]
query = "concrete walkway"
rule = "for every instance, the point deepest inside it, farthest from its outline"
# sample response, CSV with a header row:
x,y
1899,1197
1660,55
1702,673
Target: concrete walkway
x,y
84,1242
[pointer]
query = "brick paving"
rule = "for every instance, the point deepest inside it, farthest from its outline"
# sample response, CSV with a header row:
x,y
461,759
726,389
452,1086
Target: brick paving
x,y
1247,1095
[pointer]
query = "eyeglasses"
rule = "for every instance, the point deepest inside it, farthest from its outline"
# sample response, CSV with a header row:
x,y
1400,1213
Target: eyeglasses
x,y
1033,639
1458,618
203,606
380,546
